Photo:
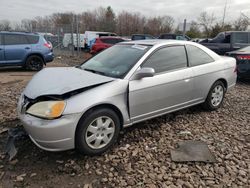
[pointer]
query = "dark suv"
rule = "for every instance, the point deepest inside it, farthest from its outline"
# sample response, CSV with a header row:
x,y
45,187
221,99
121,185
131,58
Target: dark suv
x,y
28,50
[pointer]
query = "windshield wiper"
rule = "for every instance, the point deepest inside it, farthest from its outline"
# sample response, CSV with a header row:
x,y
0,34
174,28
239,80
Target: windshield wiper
x,y
95,71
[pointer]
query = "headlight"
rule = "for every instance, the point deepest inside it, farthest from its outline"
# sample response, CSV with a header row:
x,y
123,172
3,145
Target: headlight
x,y
48,109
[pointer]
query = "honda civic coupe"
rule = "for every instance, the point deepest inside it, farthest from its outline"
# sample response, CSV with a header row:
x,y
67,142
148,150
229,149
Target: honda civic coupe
x,y
85,107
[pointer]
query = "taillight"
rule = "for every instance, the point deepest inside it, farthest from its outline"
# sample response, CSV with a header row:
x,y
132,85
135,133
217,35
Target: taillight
x,y
243,57
47,45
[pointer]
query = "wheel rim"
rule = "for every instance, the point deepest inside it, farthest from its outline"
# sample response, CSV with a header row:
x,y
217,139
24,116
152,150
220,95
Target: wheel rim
x,y
217,95
35,63
100,132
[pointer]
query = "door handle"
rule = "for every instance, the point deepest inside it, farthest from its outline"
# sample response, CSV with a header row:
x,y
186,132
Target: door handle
x,y
187,80
27,48
0,48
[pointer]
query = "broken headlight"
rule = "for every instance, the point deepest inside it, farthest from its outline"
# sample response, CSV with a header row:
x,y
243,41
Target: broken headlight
x,y
47,109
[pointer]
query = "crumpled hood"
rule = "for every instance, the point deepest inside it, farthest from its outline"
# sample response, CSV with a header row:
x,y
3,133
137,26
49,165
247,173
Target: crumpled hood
x,y
60,80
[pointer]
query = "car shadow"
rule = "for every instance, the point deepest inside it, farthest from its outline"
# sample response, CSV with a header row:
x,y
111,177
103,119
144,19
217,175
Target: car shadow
x,y
14,69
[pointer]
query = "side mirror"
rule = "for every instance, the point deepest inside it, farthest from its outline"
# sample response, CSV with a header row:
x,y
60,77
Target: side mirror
x,y
143,72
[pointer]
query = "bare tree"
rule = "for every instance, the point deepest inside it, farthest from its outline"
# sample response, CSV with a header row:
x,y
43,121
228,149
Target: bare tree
x,y
241,24
206,21
158,25
5,25
130,23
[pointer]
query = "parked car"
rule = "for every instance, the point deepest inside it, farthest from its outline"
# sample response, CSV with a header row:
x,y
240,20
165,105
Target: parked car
x,y
228,41
28,50
67,41
243,61
141,37
90,37
174,36
103,43
85,107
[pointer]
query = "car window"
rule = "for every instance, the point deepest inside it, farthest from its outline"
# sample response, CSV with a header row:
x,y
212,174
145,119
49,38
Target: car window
x,y
138,37
241,38
167,37
168,58
13,39
197,56
33,39
116,61
149,37
180,37
108,41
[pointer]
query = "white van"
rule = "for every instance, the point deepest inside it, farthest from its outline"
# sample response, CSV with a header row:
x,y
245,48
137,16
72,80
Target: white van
x,y
67,40
90,37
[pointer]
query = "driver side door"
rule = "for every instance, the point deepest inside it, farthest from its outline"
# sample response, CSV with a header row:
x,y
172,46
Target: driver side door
x,y
169,89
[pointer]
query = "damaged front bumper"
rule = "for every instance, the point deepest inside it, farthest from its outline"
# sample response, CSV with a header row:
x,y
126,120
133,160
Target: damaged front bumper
x,y
51,135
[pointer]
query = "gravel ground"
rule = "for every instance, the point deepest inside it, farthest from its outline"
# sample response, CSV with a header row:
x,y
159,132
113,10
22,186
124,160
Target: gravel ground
x,y
141,157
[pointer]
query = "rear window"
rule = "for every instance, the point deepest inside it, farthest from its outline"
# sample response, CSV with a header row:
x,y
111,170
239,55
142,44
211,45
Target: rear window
x,y
14,39
241,38
33,39
167,37
111,41
138,37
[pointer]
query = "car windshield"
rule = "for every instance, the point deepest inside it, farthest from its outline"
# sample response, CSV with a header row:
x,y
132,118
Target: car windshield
x,y
115,61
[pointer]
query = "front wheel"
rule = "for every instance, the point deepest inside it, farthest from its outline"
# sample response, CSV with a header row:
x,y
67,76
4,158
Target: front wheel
x,y
215,96
97,131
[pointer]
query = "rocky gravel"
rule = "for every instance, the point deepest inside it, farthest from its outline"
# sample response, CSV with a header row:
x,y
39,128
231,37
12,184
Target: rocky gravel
x,y
141,157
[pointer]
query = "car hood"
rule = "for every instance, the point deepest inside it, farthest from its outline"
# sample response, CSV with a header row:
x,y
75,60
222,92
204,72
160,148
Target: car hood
x,y
58,81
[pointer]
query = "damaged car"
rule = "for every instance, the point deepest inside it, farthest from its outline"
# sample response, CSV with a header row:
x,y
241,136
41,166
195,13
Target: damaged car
x,y
85,107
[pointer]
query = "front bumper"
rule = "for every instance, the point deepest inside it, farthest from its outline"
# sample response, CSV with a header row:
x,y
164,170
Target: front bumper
x,y
51,135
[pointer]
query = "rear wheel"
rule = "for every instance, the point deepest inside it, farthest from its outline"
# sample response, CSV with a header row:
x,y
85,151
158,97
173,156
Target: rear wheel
x,y
71,47
97,131
34,63
215,96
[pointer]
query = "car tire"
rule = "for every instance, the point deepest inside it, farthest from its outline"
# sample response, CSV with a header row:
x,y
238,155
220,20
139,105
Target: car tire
x,y
215,96
34,63
71,47
97,131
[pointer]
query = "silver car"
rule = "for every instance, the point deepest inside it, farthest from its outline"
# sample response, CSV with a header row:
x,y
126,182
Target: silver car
x,y
85,107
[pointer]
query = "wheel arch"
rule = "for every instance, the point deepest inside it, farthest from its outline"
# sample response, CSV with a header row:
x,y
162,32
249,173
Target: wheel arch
x,y
224,81
35,54
105,105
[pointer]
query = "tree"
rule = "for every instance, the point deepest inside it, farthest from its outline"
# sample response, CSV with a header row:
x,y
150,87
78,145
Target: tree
x,y
160,24
130,23
5,25
194,31
110,22
241,24
206,21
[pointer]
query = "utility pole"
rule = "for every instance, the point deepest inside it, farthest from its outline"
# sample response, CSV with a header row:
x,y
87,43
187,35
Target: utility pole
x,y
184,27
224,14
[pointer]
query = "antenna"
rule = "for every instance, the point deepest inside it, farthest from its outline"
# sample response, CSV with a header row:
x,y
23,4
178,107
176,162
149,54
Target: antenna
x,y
224,14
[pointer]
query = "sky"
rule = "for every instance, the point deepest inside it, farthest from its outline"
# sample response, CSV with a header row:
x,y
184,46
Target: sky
x,y
16,10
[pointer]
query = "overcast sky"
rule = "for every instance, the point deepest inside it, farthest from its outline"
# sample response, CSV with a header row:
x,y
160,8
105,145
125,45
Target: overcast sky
x,y
15,10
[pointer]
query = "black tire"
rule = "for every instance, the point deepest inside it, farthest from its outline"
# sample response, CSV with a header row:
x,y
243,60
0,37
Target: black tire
x,y
88,120
208,104
34,63
71,47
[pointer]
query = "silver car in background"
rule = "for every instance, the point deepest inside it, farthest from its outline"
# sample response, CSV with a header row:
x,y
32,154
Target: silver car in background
x,y
85,107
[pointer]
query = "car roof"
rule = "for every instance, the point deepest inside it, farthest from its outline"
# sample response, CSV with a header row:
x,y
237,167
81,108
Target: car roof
x,y
109,37
153,42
